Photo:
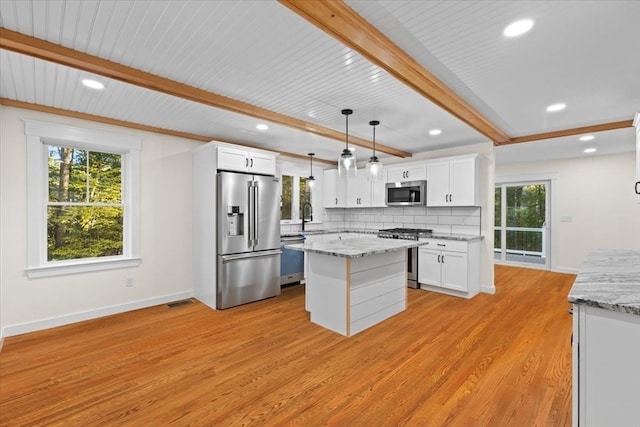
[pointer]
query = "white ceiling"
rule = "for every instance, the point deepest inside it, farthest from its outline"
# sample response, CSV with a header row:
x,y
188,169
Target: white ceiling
x,y
583,53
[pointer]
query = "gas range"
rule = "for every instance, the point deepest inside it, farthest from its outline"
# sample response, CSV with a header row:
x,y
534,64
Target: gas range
x,y
404,233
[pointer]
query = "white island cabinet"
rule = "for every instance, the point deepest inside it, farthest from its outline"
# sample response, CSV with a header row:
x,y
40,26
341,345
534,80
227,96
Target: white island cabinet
x,y
606,340
353,284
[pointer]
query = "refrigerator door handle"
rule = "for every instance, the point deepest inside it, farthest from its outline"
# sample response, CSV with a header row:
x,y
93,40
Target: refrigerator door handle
x,y
250,213
256,212
228,258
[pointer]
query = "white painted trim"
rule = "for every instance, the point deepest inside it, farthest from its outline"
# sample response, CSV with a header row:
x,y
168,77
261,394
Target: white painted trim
x,y
67,319
38,136
89,139
488,289
82,266
566,270
553,192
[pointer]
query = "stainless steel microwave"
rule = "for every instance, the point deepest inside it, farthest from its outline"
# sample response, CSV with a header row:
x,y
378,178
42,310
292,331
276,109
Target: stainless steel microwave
x,y
406,193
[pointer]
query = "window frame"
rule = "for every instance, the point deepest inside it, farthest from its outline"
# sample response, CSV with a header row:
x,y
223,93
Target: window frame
x,y
39,135
295,203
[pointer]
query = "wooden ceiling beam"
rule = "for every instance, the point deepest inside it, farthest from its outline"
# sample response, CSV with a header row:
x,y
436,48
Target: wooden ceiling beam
x,y
31,46
131,125
343,23
569,132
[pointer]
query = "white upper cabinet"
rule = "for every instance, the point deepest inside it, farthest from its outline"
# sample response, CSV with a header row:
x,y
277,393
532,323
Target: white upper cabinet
x,y
244,160
453,182
334,189
378,189
358,192
407,172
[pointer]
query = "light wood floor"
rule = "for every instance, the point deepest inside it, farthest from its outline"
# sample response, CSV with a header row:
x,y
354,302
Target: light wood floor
x,y
495,360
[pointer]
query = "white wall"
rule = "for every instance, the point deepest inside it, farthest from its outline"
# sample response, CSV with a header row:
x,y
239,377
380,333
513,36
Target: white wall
x,y
166,271
597,193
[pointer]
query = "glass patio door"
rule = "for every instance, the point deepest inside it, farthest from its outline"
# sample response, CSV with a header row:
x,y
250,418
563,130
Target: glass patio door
x,y
522,224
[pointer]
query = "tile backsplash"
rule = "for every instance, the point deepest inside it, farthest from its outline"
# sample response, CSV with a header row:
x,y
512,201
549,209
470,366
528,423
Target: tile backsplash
x,y
459,220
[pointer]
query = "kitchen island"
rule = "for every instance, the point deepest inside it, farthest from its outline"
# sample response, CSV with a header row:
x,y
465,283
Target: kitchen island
x,y
606,339
353,284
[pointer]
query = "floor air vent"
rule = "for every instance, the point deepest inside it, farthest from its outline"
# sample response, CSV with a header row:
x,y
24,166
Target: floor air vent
x,y
180,303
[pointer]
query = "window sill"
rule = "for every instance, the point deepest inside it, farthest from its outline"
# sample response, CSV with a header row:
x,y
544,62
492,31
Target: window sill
x,y
84,266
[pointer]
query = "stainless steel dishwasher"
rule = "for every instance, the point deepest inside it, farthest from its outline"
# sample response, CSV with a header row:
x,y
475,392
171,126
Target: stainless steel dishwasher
x,y
291,262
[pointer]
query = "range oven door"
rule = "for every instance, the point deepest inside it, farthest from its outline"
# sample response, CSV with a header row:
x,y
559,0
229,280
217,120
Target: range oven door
x,y
412,268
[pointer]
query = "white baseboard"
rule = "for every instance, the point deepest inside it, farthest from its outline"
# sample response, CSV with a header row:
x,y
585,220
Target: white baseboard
x,y
488,289
52,322
566,270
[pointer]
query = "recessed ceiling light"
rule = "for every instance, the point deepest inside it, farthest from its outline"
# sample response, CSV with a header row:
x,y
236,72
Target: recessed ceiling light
x,y
556,107
262,126
590,150
93,84
518,28
435,132
587,138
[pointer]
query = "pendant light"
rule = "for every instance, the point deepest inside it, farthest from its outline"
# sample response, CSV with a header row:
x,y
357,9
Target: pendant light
x,y
311,180
347,161
374,166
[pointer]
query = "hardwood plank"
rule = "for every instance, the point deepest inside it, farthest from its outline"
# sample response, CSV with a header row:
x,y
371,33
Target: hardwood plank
x,y
494,360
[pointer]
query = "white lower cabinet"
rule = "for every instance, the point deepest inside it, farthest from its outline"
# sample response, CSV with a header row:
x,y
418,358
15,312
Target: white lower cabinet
x,y
450,266
606,367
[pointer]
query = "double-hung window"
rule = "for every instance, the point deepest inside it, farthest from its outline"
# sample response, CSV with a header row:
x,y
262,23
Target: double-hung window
x,y
295,193
83,199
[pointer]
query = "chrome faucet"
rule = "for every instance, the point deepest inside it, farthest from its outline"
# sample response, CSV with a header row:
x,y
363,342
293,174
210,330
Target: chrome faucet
x,y
304,205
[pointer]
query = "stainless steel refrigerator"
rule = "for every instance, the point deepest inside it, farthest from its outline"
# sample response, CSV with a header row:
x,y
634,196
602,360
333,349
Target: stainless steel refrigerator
x,y
248,238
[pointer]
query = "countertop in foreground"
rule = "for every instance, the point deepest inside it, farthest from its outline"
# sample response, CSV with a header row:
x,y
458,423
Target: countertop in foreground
x,y
609,279
355,248
436,235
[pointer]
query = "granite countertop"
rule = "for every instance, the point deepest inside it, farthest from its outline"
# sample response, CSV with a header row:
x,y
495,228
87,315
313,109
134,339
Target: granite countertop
x,y
453,236
355,248
445,236
329,231
609,279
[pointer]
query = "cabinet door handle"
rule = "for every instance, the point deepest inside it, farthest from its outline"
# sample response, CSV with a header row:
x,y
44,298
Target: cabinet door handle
x,y
251,162
246,162
438,259
336,200
638,187
442,244
450,197
443,259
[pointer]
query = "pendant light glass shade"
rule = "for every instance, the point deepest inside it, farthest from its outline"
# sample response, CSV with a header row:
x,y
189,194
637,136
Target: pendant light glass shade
x,y
374,166
347,160
311,180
